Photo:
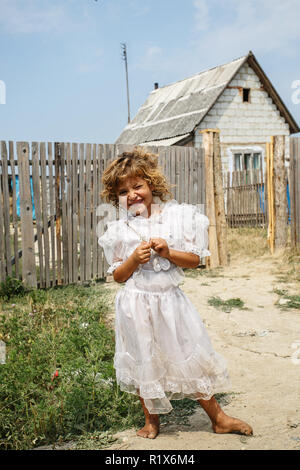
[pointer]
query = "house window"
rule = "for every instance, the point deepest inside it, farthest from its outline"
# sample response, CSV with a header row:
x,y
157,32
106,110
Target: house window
x,y
247,161
237,161
246,95
256,161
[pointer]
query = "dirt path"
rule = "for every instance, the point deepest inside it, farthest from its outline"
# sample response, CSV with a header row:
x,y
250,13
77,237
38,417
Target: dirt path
x,y
259,345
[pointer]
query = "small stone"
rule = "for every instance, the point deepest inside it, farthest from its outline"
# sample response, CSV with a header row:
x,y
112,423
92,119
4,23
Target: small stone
x,y
263,333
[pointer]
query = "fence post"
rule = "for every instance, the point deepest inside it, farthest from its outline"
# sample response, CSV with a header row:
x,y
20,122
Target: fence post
x,y
219,201
57,162
208,145
28,254
280,192
270,189
294,191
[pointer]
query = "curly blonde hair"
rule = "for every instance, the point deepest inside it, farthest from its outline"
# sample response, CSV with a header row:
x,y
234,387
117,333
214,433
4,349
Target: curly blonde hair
x,y
135,163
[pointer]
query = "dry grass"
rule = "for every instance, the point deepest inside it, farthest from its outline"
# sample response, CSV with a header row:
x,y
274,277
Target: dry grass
x,y
247,242
251,243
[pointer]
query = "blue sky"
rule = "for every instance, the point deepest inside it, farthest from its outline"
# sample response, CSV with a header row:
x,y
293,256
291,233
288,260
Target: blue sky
x,y
61,59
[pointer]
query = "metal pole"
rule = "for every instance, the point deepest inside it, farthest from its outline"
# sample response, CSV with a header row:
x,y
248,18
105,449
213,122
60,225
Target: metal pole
x,y
124,56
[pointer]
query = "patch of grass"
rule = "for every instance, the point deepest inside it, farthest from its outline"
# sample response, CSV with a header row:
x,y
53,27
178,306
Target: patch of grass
x,y
58,381
95,440
12,287
289,270
195,273
226,305
287,301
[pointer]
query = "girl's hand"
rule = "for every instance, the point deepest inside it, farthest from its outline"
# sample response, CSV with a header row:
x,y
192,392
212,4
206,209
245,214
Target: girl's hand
x,y
160,246
142,253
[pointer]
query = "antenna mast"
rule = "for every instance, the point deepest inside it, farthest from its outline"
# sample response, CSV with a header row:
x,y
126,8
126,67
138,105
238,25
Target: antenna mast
x,y
124,57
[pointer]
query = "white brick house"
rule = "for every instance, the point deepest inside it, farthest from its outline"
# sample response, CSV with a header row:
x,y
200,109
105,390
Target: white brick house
x,y
237,98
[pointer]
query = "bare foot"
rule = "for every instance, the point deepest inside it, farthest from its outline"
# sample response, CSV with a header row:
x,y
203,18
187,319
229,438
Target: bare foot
x,y
150,430
227,424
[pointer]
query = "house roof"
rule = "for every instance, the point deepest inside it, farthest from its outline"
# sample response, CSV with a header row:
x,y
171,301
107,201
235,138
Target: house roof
x,y
172,112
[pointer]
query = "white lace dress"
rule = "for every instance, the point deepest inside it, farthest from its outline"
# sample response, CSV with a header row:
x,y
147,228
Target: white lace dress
x,y
163,351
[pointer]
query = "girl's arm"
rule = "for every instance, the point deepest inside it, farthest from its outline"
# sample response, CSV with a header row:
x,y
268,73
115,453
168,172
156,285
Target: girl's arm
x,y
183,259
180,258
141,255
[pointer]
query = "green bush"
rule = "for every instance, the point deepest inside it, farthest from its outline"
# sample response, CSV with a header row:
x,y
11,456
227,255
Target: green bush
x,y
12,287
58,381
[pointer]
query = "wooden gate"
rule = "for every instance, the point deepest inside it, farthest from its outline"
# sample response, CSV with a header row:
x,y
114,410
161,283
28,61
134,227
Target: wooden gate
x,y
244,194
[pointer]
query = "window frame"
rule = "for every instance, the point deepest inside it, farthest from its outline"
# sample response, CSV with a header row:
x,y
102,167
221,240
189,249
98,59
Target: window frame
x,y
251,154
249,95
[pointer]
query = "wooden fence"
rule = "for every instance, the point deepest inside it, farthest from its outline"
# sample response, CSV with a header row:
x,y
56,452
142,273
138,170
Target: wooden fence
x,y
294,178
49,195
245,198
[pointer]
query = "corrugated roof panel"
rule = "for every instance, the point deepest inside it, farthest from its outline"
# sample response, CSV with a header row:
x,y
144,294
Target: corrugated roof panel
x,y
177,108
166,142
155,112
141,116
165,113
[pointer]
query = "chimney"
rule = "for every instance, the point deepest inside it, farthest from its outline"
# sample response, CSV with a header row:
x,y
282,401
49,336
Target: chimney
x,y
155,86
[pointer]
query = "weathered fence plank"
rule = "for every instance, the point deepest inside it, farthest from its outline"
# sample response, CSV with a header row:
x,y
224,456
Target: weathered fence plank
x,y
64,217
6,208
81,212
36,182
69,210
28,252
88,212
75,211
2,244
52,210
100,170
94,209
14,208
295,190
45,212
57,159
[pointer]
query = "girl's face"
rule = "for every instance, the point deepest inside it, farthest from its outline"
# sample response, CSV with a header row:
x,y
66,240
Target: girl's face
x,y
135,195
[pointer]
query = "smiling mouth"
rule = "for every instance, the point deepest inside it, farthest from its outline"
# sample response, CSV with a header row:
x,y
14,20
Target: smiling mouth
x,y
135,202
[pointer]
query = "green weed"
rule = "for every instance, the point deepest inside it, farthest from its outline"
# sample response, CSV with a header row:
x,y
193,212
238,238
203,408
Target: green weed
x,y
58,381
12,287
287,301
226,305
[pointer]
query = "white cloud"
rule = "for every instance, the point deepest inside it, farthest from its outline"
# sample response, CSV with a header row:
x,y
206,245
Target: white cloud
x,y
34,16
263,26
202,16
152,59
224,30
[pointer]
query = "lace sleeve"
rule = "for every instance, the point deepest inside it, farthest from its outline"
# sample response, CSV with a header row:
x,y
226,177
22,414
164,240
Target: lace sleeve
x,y
195,231
113,246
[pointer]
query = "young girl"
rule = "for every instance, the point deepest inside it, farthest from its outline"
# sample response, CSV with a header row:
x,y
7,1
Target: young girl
x,y
163,351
